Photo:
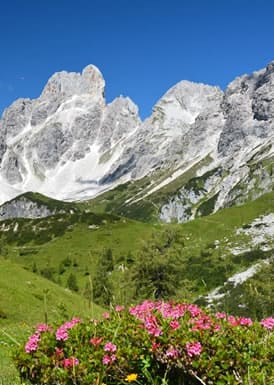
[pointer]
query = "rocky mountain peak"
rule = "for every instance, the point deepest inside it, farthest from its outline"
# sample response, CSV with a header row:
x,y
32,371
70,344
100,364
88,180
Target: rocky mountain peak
x,y
66,84
69,144
187,100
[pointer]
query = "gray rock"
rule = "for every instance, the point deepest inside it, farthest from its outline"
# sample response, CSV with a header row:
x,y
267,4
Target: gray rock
x,y
23,208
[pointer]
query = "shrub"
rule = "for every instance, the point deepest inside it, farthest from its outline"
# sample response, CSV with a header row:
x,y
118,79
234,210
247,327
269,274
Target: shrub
x,y
154,343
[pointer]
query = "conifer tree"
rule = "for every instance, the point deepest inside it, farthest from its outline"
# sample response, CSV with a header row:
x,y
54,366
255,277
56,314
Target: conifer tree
x,y
157,271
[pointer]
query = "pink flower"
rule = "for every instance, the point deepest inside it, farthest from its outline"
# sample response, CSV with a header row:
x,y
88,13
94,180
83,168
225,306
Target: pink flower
x,y
110,347
220,315
194,310
113,357
268,323
32,343
119,308
155,346
172,352
140,311
106,315
59,352
217,328
151,326
70,362
95,341
174,324
245,321
232,320
107,360
193,348
61,334
70,324
41,328
202,323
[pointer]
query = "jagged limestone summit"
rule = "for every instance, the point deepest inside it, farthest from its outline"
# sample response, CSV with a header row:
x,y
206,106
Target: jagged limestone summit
x,y
69,144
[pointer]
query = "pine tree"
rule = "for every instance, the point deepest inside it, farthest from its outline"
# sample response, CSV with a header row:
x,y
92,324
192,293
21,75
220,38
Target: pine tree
x,y
157,271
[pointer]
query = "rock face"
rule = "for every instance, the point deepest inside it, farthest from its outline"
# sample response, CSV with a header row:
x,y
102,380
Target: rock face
x,y
69,144
23,208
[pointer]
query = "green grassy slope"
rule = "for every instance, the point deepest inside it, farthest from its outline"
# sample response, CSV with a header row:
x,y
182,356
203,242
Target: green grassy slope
x,y
58,246
25,296
24,299
82,239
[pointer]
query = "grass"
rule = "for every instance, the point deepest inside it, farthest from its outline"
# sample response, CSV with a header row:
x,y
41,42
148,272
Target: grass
x,y
25,297
25,300
84,237
10,337
83,240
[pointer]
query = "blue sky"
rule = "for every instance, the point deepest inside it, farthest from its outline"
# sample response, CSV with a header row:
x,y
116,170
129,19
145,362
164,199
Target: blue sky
x,y
142,47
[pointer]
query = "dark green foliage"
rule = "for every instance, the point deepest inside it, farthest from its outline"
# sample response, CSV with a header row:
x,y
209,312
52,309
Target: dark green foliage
x,y
205,272
48,273
42,230
27,251
207,207
205,253
34,267
72,282
195,184
66,262
107,261
143,210
157,271
250,256
75,263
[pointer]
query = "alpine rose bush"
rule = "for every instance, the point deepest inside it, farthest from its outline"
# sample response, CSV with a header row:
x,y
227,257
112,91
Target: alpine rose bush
x,y
153,343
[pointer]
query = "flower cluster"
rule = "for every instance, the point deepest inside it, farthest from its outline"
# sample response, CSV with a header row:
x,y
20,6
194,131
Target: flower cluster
x,y
70,362
268,323
62,332
32,343
109,358
193,348
42,328
151,343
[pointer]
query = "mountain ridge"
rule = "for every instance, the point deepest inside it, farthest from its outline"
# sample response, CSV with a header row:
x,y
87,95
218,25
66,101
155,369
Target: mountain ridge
x,y
70,145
